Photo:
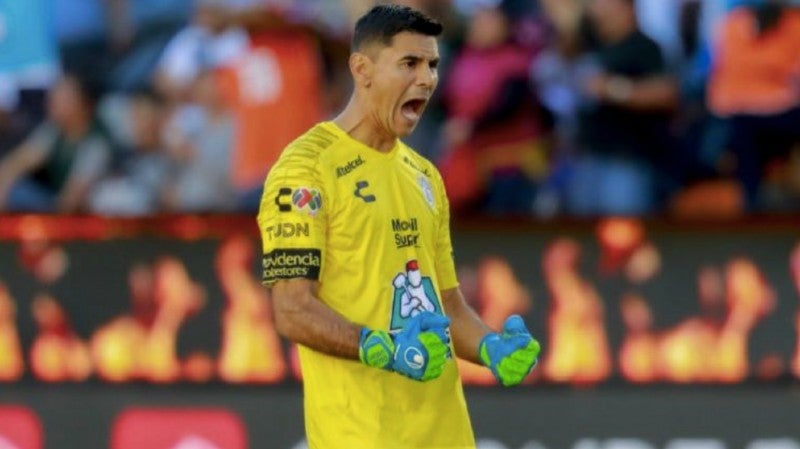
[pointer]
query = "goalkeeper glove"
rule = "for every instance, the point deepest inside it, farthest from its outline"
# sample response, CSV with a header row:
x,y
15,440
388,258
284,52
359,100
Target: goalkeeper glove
x,y
512,354
418,351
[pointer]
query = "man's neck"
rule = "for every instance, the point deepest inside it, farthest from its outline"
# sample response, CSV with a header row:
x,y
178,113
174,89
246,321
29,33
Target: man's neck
x,y
621,32
359,125
77,128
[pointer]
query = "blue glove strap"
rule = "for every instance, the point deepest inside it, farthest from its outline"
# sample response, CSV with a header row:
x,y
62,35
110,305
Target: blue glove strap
x,y
376,348
483,350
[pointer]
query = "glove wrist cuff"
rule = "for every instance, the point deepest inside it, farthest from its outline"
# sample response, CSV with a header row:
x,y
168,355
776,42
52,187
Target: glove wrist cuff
x,y
483,351
362,337
376,348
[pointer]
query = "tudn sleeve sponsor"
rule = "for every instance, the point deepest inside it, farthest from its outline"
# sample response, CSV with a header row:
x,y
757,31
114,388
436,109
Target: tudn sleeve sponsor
x,y
291,263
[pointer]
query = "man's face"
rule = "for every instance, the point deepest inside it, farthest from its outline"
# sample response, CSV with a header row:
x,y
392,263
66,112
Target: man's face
x,y
64,101
403,79
606,15
146,117
211,17
488,28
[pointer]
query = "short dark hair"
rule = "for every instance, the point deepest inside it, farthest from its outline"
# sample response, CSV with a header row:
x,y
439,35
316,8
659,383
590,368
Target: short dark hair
x,y
383,22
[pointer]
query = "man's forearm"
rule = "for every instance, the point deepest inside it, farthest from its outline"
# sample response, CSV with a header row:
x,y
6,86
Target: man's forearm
x,y
304,319
658,93
13,167
7,179
466,328
72,198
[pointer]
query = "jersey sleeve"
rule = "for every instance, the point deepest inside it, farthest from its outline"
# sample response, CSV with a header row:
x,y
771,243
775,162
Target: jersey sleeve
x,y
292,220
445,263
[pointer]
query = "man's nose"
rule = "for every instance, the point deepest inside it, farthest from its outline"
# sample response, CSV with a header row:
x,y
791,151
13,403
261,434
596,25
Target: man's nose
x,y
426,76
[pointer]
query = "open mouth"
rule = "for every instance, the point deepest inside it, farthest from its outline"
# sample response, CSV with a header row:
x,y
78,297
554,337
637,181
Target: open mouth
x,y
412,109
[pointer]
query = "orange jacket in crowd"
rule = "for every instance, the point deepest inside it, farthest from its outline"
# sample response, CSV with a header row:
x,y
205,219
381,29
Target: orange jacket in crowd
x,y
275,93
756,74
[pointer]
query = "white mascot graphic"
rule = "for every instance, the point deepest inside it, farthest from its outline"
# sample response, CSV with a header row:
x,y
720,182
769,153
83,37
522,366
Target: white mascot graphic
x,y
413,298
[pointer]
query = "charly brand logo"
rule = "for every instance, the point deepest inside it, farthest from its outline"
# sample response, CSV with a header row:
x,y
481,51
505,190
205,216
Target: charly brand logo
x,y
413,294
349,167
288,230
284,199
291,263
361,186
307,200
406,233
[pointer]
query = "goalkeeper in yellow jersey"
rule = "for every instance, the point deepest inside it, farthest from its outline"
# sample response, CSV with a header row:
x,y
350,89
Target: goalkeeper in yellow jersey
x,y
357,254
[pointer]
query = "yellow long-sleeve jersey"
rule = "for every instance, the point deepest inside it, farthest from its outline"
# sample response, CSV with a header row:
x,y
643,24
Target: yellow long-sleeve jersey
x,y
373,229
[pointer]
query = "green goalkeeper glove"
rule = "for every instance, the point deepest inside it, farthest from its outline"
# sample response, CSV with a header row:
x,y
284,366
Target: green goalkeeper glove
x,y
419,351
512,354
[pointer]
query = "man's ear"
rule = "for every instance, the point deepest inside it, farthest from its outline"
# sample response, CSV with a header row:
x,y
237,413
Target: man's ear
x,y
362,68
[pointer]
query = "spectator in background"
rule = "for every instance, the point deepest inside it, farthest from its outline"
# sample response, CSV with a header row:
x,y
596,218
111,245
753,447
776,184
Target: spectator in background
x,y
275,91
493,135
56,167
139,31
755,87
81,27
143,172
356,8
146,15
559,73
199,142
660,21
208,42
28,67
623,121
10,129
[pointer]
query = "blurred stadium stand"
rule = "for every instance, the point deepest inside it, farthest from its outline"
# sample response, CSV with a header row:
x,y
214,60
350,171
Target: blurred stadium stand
x,y
547,108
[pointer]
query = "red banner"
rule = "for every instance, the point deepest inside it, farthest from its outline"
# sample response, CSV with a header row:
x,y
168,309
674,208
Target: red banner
x,y
20,428
139,428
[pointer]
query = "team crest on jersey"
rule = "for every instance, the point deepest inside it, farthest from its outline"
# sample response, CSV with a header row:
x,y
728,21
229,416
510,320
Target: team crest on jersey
x,y
307,200
427,191
413,294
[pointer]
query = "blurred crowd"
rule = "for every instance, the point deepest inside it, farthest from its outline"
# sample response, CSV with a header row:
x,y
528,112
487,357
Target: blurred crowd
x,y
545,108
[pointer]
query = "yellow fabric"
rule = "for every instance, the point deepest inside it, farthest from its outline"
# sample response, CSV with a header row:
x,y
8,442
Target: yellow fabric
x,y
379,213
